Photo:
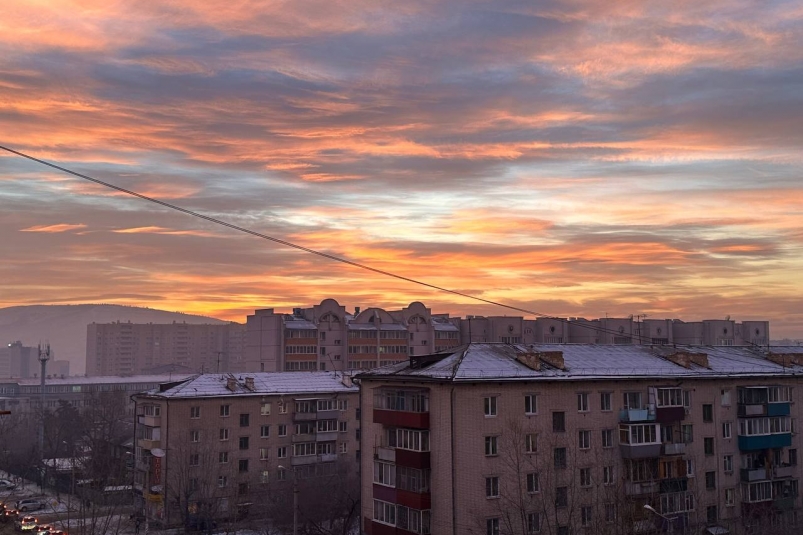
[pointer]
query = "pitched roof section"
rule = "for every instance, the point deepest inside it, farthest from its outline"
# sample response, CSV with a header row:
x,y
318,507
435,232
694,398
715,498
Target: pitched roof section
x,y
497,361
274,383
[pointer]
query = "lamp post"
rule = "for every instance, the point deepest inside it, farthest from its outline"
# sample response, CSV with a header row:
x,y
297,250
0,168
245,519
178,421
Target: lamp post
x,y
669,519
295,500
72,483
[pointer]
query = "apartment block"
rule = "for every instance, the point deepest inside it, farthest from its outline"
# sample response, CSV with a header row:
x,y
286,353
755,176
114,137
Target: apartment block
x,y
124,348
496,439
222,444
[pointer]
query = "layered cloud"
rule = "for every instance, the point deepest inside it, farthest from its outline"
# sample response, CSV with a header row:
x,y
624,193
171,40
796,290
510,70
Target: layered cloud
x,y
574,158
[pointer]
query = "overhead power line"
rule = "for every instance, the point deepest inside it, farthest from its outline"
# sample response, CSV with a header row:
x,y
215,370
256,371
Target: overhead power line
x,y
322,254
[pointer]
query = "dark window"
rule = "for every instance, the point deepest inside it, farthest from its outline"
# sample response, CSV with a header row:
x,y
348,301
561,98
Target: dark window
x,y
243,443
563,530
561,497
242,489
708,445
244,420
792,456
711,514
559,422
242,465
560,457
710,480
708,413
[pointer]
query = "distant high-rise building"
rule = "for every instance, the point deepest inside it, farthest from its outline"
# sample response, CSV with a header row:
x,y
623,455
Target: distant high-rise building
x,y
17,360
132,348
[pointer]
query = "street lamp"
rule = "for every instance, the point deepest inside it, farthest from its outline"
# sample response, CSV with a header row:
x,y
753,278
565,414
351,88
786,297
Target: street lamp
x,y
669,519
295,500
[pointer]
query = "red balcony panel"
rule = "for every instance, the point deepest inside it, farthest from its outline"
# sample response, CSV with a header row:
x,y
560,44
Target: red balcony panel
x,y
665,415
382,529
412,459
413,420
415,500
367,525
386,494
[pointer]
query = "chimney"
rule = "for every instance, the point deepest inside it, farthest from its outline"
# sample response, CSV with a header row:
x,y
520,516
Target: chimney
x,y
553,358
346,380
529,359
231,383
249,383
356,311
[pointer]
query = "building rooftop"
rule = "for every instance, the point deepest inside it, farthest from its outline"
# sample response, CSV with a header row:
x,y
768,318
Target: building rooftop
x,y
101,379
265,383
498,361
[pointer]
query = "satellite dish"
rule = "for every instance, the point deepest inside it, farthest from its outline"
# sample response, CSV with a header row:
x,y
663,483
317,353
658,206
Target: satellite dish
x,y
158,452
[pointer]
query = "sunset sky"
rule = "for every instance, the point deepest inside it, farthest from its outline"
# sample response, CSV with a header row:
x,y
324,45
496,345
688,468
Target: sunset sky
x,y
572,158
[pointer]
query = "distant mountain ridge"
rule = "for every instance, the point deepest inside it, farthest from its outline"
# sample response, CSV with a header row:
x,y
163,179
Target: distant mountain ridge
x,y
64,326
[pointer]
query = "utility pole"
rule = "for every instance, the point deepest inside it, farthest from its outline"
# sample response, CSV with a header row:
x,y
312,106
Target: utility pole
x,y
44,356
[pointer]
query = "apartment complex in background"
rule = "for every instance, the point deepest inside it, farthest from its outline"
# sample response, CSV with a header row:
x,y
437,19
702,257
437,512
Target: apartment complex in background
x,y
20,361
124,348
494,439
327,337
224,445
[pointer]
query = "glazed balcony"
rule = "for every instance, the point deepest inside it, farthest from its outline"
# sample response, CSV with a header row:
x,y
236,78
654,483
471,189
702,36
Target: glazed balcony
x,y
303,437
665,415
414,500
640,451
149,443
674,484
637,415
413,459
764,442
150,421
385,454
674,448
402,408
633,488
305,416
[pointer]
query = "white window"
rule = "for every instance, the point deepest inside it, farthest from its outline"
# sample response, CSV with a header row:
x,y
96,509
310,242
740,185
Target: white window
x,y
195,412
730,497
585,477
411,439
533,484
224,434
727,429
264,477
264,431
489,403
223,457
343,427
491,446
639,434
687,399
533,523
689,467
726,397
610,512
282,407
264,408
492,487
531,443
195,436
281,452
586,515
282,430
222,481
263,454
607,475
224,410
344,447
492,526
582,402
530,404
584,440
384,474
670,397
727,463
605,401
607,438
304,449
385,513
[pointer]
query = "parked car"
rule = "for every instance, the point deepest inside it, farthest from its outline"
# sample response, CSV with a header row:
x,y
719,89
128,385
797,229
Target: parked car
x,y
9,515
30,504
6,484
43,529
56,532
200,524
26,523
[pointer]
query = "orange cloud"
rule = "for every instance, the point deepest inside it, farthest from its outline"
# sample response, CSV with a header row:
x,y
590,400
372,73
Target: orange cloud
x,y
61,227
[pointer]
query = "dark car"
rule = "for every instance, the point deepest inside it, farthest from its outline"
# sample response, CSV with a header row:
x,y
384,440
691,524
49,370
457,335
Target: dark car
x,y
200,524
9,515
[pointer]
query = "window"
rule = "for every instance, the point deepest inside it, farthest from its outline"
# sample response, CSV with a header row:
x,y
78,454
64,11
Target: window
x,y
491,446
585,477
385,513
490,405
243,443
605,401
689,467
607,438
561,497
711,514
632,400
343,427
264,408
244,420
727,463
530,404
195,412
282,430
708,413
263,454
730,497
710,480
533,483
195,436
607,475
384,474
639,434
344,447
670,397
281,452
492,526
559,456
727,429
224,434
584,440
531,443
264,476
563,530
559,422
264,431
585,515
708,445
222,481
533,523
195,459
726,398
224,410
687,433
610,512
492,487
242,465
281,474
282,407
242,489
687,399
792,456
582,402
223,457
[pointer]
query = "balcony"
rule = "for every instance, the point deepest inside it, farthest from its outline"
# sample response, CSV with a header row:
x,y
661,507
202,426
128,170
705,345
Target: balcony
x,y
640,451
303,460
779,409
752,409
639,488
674,448
149,444
327,415
674,484
784,471
385,454
305,416
665,415
326,436
763,442
637,415
150,421
304,437
756,474
413,420
413,459
328,457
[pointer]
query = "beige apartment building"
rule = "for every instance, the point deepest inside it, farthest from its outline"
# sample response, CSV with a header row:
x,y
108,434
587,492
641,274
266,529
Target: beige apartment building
x,y
224,446
124,348
328,337
497,439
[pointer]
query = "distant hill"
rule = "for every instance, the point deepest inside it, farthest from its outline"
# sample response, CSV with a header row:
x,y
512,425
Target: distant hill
x,y
64,326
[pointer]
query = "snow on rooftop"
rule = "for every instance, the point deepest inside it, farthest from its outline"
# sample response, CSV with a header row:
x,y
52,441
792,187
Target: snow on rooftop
x,y
296,323
265,383
495,361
